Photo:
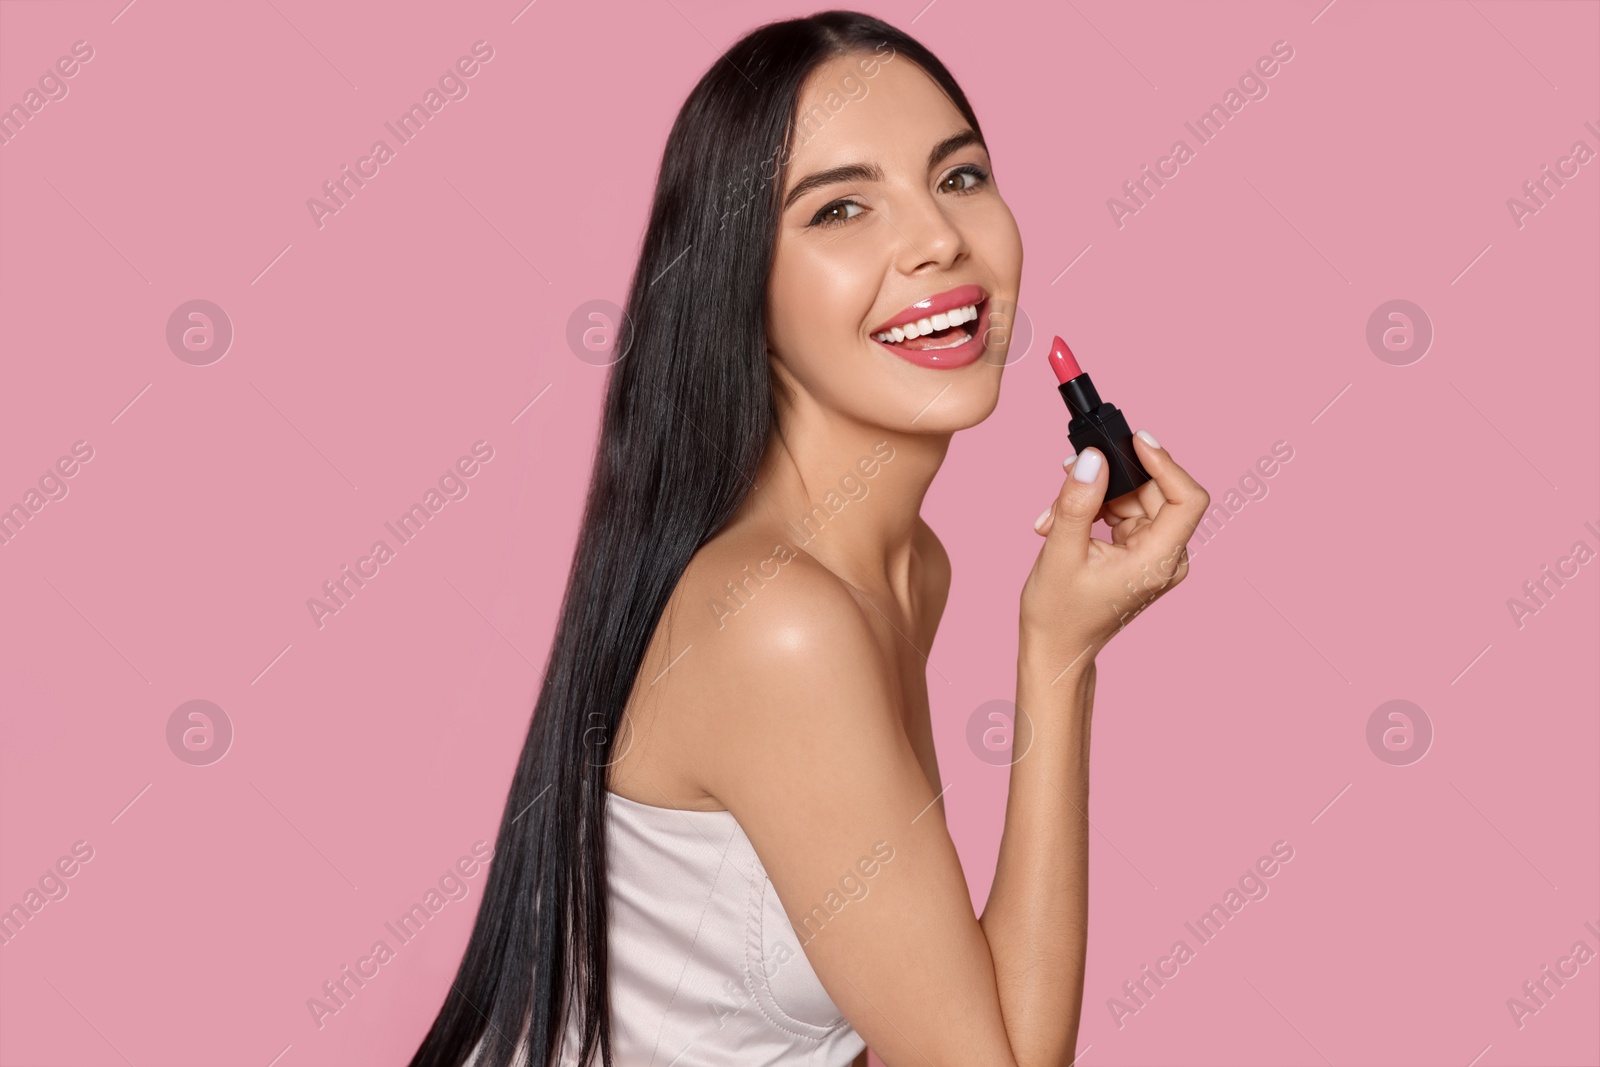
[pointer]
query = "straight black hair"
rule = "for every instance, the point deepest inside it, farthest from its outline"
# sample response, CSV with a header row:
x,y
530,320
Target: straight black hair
x,y
688,413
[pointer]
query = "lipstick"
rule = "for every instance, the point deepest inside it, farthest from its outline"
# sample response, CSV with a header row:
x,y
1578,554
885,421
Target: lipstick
x,y
1096,423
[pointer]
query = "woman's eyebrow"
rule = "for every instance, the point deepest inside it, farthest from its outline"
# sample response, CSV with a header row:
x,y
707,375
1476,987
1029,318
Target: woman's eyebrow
x,y
871,172
850,172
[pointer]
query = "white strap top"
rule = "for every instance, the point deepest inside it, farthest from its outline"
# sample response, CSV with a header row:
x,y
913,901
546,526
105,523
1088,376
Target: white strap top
x,y
705,969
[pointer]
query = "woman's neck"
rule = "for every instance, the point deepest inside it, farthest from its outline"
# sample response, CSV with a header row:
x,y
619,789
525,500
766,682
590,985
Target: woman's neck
x,y
849,494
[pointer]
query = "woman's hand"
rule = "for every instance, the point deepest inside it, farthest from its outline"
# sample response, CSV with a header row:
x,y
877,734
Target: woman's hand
x,y
1082,591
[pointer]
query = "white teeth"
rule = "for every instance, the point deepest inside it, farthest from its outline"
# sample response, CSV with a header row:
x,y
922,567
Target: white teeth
x,y
942,321
964,338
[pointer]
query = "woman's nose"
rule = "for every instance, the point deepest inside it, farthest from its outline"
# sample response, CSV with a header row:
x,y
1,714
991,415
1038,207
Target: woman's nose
x,y
928,236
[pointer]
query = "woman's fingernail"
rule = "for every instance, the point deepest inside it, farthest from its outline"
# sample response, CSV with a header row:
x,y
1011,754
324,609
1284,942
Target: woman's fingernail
x,y
1149,438
1070,457
1039,522
1088,465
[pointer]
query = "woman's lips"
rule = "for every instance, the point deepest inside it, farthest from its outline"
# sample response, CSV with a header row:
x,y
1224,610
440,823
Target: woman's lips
x,y
959,355
949,300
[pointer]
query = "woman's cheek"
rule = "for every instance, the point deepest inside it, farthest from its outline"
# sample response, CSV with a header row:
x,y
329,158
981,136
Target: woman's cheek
x,y
1006,238
844,290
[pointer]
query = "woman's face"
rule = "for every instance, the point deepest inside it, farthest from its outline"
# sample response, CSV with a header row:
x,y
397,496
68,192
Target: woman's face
x,y
857,253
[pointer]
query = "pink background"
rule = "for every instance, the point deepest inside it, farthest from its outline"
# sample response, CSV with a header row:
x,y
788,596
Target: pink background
x,y
1230,313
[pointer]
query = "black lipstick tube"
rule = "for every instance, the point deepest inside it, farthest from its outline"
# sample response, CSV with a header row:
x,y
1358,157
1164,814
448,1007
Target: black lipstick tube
x,y
1098,424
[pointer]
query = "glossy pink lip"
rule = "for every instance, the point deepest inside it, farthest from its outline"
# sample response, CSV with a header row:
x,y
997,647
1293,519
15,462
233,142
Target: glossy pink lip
x,y
960,296
961,355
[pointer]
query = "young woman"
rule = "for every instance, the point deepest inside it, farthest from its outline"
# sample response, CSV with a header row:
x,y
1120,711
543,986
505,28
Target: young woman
x,y
724,841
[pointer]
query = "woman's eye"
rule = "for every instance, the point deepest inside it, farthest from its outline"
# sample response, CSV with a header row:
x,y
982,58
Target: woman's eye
x,y
965,178
832,214
971,170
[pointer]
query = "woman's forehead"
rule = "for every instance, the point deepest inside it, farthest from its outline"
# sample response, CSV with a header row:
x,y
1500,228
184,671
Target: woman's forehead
x,y
852,102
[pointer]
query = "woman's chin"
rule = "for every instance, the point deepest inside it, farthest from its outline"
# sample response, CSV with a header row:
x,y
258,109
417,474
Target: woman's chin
x,y
957,400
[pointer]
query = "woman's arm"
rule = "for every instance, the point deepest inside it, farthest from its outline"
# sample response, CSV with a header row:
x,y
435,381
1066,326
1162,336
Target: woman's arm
x,y
803,740
801,735
1037,917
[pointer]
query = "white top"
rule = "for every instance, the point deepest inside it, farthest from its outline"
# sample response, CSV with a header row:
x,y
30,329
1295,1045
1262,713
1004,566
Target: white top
x,y
704,967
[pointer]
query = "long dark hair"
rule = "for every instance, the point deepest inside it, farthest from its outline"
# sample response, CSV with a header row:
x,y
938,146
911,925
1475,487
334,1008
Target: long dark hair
x,y
688,411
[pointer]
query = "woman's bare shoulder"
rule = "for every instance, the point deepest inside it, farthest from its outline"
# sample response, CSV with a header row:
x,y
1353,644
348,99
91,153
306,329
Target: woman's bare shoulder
x,y
751,613
754,589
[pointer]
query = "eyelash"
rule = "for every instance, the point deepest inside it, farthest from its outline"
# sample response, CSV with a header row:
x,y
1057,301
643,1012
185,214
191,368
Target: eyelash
x,y
976,171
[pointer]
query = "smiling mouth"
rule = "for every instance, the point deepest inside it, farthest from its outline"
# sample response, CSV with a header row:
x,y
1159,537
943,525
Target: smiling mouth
x,y
949,329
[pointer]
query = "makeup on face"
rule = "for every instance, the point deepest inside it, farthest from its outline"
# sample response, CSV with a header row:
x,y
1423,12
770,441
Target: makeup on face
x,y
941,331
1096,423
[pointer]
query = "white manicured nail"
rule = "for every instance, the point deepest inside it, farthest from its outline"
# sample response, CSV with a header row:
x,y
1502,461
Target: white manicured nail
x,y
1039,522
1070,457
1149,438
1088,465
